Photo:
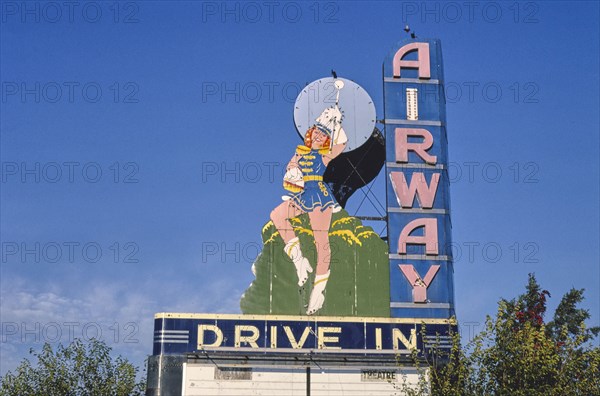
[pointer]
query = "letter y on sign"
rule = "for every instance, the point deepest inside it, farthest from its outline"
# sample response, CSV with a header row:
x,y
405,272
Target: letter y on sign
x,y
419,285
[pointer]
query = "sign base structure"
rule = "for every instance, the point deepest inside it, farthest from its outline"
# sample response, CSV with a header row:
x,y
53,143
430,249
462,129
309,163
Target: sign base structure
x,y
218,354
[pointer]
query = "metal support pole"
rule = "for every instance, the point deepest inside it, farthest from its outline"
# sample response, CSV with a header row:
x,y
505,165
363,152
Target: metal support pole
x,y
307,380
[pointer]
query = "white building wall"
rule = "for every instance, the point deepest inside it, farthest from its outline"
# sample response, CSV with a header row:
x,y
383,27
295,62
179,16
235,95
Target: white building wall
x,y
199,380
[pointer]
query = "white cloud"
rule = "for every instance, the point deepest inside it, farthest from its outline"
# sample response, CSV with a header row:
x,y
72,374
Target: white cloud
x,y
121,315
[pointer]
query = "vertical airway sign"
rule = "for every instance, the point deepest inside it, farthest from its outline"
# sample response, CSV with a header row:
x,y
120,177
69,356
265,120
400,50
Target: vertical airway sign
x,y
418,196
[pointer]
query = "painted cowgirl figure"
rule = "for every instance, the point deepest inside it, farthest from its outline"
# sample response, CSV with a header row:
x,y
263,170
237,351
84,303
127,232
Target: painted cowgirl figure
x,y
324,141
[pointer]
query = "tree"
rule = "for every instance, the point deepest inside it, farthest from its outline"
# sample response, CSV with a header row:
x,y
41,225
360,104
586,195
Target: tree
x,y
518,354
76,370
568,319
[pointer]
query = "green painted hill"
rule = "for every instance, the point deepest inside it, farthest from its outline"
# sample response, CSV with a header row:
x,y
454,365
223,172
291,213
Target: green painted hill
x,y
359,280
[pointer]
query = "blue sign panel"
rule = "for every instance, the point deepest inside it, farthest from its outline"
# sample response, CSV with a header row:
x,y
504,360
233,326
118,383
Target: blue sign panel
x,y
197,333
418,196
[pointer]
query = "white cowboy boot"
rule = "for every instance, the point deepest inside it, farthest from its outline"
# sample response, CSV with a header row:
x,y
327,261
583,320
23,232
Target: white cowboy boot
x,y
292,249
317,298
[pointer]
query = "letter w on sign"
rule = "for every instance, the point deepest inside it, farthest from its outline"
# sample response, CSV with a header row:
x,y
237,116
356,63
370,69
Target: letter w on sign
x,y
419,284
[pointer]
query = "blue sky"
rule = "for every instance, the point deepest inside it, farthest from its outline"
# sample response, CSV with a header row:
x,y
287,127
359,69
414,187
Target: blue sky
x,y
143,145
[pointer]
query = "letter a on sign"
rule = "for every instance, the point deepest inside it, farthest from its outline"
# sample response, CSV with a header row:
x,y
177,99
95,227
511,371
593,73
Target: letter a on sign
x,y
421,64
429,238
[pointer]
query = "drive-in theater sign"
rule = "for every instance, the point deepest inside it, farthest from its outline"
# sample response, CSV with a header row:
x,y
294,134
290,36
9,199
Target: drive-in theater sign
x,y
335,307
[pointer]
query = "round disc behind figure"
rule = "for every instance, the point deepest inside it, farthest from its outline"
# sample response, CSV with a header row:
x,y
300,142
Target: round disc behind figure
x,y
357,108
